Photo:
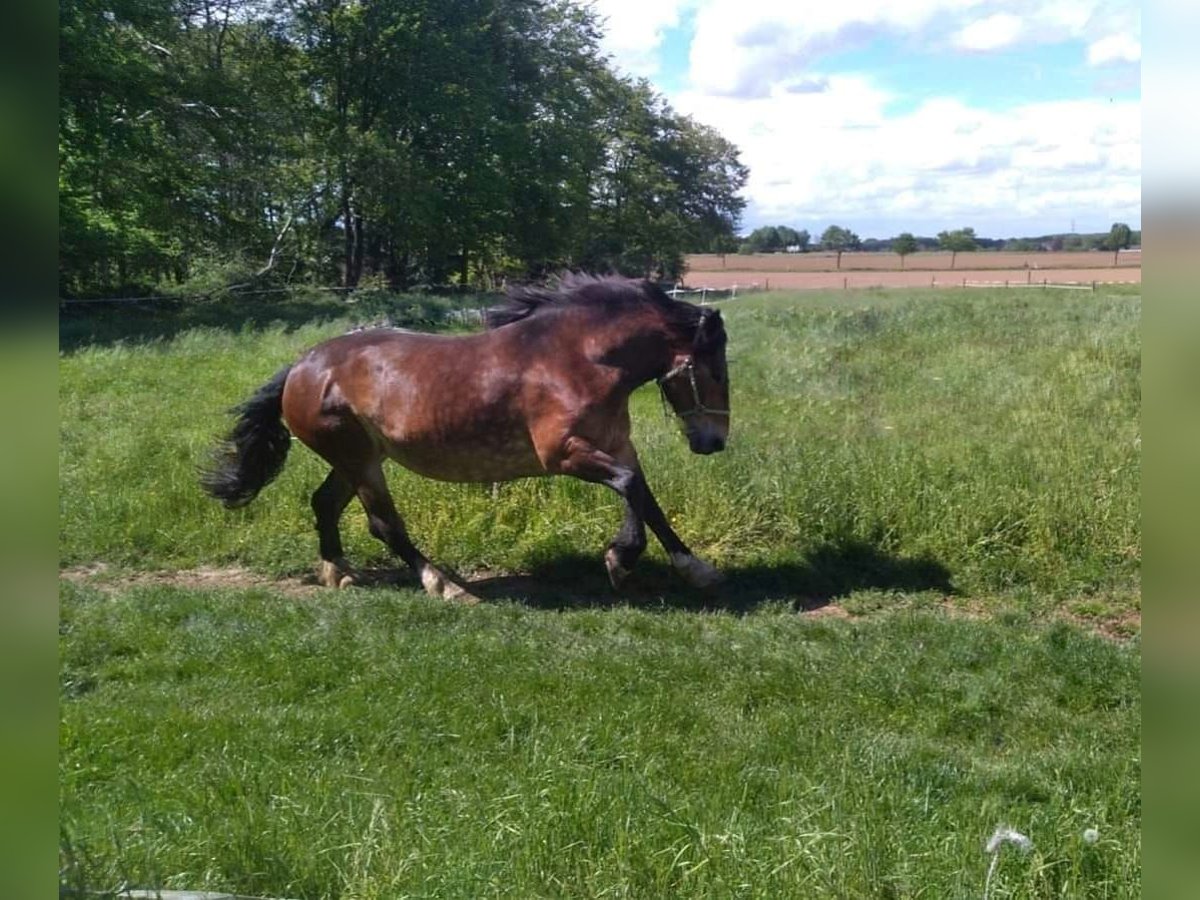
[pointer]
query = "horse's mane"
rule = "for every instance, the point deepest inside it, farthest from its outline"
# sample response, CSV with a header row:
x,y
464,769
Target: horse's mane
x,y
613,292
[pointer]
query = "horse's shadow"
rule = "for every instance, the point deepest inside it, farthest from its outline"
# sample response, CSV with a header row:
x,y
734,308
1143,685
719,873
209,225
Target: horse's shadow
x,y
827,573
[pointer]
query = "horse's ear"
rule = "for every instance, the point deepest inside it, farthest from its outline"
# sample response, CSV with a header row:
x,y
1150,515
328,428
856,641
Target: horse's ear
x,y
711,330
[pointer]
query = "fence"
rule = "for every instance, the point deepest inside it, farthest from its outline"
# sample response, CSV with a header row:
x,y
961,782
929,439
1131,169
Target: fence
x,y
1060,285
704,292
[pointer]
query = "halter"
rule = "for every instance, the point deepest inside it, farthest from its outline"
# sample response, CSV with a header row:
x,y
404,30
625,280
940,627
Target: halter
x,y
699,409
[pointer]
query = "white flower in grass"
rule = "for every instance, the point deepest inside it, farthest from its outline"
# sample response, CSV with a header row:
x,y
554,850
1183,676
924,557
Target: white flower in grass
x,y
1001,836
1005,835
1090,835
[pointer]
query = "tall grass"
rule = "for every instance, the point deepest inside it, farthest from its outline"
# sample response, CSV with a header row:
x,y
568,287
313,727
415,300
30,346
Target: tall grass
x,y
993,434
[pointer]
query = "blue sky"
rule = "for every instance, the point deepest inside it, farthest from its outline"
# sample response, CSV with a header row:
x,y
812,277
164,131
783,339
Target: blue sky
x,y
1015,118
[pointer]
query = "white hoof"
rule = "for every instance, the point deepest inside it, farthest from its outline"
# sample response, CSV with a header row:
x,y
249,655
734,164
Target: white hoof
x,y
335,573
616,572
695,572
436,584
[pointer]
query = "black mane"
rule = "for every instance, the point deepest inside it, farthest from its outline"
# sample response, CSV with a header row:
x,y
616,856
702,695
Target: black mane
x,y
615,293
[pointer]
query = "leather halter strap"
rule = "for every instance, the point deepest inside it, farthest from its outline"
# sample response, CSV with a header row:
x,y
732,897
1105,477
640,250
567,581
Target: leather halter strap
x,y
687,367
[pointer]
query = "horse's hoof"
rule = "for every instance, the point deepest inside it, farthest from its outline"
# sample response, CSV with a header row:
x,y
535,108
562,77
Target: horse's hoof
x,y
696,572
335,574
617,573
459,594
436,584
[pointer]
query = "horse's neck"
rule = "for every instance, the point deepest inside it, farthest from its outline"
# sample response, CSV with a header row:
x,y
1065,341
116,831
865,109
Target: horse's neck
x,y
641,354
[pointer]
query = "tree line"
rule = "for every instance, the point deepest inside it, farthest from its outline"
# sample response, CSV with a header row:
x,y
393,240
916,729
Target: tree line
x,y
402,142
838,239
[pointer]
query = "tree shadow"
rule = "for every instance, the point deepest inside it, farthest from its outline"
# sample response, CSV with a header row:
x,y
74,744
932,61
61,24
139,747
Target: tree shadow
x,y
88,324
827,573
98,323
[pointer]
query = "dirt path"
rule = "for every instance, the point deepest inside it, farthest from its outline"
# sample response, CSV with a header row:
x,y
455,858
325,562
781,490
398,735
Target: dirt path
x,y
775,280
523,588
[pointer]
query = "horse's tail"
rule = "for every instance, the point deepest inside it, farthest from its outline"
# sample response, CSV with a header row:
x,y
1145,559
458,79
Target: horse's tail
x,y
255,450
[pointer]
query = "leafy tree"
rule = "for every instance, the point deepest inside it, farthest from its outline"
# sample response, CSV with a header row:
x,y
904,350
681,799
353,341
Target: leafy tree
x,y
776,238
839,239
793,238
904,244
1119,238
402,140
1021,245
959,241
667,184
766,239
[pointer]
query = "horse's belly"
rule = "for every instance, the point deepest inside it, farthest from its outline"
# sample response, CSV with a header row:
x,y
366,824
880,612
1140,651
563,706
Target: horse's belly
x,y
482,461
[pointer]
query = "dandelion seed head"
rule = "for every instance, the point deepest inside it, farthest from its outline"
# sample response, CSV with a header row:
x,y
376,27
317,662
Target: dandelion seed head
x,y
1005,835
1090,835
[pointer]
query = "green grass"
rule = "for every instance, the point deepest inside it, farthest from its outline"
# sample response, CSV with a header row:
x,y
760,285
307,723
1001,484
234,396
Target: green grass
x,y
379,744
991,436
894,455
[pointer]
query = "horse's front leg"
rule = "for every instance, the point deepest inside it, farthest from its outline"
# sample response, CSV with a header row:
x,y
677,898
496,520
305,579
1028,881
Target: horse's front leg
x,y
623,553
624,475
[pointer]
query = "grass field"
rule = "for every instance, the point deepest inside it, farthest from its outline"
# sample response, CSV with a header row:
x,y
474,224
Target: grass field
x,y
955,475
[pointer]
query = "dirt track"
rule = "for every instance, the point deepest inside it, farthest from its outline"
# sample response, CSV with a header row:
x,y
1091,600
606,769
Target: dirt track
x,y
775,280
821,261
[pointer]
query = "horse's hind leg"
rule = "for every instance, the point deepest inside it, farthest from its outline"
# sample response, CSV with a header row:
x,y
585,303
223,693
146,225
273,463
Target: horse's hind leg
x,y
328,503
385,524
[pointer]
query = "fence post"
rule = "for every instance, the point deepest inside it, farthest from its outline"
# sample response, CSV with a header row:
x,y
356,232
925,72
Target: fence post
x,y
1093,285
964,282
1029,276
844,280
733,293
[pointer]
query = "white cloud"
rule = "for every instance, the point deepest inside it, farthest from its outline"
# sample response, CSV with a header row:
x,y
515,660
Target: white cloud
x,y
1116,48
992,33
741,48
633,30
836,157
824,145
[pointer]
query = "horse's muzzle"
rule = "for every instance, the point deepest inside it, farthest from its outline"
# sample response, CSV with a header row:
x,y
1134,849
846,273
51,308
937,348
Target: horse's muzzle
x,y
706,442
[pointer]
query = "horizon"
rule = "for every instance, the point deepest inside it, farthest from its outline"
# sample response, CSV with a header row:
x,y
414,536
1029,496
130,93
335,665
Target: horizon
x,y
815,234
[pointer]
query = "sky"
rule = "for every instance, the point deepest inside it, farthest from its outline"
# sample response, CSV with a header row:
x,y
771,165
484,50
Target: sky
x,y
1013,117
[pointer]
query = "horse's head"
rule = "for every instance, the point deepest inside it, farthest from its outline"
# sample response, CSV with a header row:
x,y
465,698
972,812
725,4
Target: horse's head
x,y
697,386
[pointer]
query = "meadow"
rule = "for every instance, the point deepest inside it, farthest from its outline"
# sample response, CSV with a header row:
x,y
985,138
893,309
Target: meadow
x,y
929,519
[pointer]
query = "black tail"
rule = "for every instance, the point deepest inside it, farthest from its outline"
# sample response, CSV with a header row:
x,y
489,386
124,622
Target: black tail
x,y
256,449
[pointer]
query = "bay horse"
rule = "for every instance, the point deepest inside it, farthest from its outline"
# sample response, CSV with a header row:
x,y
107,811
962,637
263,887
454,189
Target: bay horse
x,y
543,390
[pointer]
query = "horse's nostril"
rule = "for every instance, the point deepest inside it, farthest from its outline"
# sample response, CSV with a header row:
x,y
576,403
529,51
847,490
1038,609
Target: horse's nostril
x,y
707,443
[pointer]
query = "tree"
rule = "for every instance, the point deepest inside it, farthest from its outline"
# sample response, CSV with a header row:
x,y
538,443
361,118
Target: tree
x,y
765,240
793,238
413,141
958,241
666,185
904,244
839,239
1119,238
